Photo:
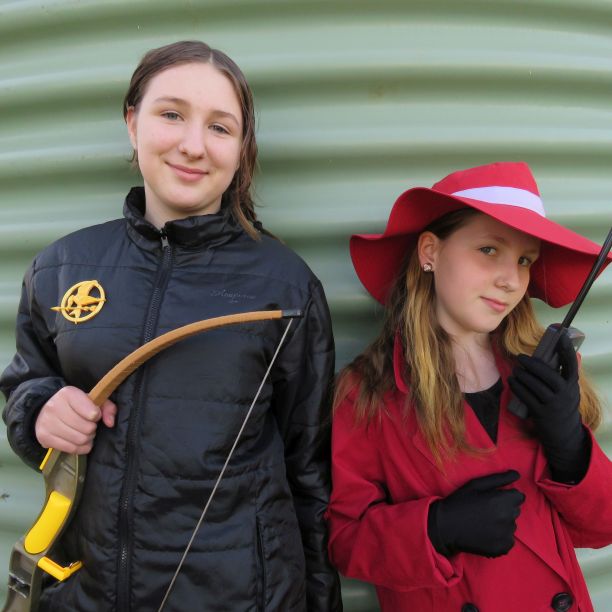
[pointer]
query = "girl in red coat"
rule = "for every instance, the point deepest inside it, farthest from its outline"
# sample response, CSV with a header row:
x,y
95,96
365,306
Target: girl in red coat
x,y
442,497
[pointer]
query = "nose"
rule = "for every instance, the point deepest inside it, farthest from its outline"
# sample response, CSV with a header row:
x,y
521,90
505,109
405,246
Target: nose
x,y
509,277
193,142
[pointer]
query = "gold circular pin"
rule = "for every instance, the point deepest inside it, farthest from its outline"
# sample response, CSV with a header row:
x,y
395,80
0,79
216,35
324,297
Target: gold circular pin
x,y
80,303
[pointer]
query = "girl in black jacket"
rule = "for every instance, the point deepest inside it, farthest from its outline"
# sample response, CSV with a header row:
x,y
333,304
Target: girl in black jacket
x,y
189,247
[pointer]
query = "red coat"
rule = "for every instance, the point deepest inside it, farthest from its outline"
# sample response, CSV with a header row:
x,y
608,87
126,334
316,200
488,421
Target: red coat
x,y
385,478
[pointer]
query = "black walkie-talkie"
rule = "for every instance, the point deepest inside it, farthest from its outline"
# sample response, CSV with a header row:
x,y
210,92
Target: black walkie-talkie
x,y
546,349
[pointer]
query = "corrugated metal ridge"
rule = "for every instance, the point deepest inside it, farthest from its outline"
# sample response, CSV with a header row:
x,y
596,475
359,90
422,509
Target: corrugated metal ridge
x,y
110,81
28,14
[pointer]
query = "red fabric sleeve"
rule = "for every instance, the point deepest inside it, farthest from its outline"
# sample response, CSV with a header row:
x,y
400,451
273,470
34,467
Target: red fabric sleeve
x,y
371,538
586,508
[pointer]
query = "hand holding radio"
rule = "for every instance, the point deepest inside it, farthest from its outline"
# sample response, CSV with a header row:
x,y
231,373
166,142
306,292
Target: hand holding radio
x,y
552,396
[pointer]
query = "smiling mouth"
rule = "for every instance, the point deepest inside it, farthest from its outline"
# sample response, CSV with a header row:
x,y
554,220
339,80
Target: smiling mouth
x,y
193,171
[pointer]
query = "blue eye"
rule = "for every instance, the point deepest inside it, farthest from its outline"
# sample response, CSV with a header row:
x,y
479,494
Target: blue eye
x,y
173,116
218,128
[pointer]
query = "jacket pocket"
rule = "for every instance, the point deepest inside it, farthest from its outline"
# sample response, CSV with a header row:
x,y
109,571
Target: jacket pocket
x,y
262,578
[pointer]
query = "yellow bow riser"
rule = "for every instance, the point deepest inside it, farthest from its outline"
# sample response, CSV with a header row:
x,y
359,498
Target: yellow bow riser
x,y
64,475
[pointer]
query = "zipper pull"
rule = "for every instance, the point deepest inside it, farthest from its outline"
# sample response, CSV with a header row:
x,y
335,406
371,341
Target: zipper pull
x,y
164,238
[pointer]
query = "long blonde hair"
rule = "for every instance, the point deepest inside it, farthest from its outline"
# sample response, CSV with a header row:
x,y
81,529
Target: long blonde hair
x,y
428,357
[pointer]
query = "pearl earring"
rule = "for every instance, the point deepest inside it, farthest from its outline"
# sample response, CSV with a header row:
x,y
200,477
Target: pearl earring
x,y
427,267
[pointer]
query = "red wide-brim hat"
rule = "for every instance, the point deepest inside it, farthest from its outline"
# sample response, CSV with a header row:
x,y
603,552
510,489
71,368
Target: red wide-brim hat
x,y
507,192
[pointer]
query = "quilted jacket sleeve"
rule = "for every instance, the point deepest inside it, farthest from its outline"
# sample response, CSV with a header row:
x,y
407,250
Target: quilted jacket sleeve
x,y
302,400
31,378
586,508
371,538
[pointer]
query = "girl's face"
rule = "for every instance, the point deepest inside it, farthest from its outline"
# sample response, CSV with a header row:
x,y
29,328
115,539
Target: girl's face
x,y
187,132
481,272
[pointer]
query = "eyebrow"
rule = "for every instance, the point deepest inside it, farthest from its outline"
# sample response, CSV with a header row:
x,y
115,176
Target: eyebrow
x,y
217,111
502,240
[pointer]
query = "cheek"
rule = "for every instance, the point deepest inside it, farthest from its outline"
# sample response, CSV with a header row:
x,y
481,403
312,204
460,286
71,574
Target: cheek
x,y
448,285
459,279
226,153
524,277
156,141
455,271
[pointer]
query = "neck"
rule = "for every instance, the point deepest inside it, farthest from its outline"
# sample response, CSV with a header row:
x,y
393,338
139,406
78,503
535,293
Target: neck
x,y
158,214
475,363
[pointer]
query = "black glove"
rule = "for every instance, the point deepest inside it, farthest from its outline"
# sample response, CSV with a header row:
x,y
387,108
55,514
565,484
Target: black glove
x,y
478,518
552,399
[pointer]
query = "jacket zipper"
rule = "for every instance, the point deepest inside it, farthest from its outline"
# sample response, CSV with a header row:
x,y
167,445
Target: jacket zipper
x,y
261,604
129,484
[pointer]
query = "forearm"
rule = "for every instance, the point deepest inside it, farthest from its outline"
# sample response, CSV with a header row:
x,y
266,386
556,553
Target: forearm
x,y
586,507
20,413
309,471
409,560
569,465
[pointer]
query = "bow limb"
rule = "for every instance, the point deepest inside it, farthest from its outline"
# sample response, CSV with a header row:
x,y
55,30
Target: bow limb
x,y
64,474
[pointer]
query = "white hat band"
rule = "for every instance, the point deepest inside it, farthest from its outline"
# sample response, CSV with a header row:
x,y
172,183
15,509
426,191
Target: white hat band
x,y
511,196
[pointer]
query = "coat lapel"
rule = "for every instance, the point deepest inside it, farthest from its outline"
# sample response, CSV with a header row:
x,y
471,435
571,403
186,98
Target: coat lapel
x,y
518,450
515,449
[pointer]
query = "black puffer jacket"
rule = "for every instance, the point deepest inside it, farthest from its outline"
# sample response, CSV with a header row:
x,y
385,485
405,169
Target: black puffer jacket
x,y
263,544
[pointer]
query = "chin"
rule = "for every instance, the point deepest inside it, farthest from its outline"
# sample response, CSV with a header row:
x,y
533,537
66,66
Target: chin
x,y
491,328
482,327
189,207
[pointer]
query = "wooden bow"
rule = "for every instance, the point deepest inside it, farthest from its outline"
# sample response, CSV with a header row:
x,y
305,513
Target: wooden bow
x,y
64,474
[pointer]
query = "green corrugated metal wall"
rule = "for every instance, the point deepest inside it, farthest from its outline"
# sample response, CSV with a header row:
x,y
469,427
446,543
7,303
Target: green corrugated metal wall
x,y
356,101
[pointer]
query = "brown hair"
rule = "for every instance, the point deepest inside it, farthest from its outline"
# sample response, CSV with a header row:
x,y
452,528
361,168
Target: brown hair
x,y
238,195
428,356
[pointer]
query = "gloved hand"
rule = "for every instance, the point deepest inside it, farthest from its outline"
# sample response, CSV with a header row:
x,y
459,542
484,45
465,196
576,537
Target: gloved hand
x,y
479,517
552,399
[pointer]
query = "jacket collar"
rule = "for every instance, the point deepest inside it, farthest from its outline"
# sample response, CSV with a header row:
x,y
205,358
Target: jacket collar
x,y
199,231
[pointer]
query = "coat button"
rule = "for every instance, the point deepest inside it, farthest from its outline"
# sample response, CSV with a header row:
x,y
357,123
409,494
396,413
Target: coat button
x,y
561,602
469,607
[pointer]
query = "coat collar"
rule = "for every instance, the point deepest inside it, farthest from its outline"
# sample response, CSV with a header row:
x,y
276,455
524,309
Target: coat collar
x,y
509,427
199,231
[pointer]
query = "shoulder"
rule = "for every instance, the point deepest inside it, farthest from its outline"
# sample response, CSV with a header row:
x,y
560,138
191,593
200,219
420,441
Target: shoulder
x,y
393,408
271,259
346,413
286,259
81,246
367,429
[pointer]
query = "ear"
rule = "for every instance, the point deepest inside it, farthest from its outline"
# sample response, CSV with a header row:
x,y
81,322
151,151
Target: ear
x,y
427,248
131,120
